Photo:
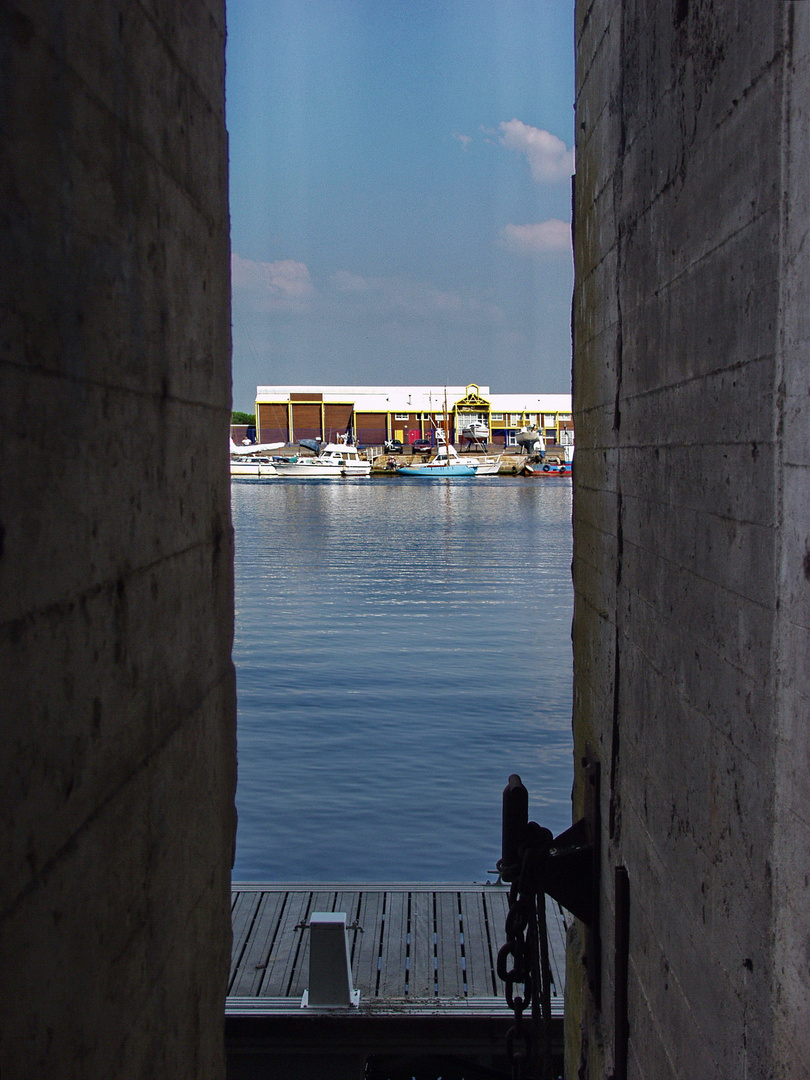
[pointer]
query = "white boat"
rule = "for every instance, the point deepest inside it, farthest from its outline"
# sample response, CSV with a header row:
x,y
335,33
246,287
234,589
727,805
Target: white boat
x,y
251,465
251,459
247,449
531,440
475,432
336,460
485,466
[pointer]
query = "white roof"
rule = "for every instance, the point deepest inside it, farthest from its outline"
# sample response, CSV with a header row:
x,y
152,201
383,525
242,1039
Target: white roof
x,y
518,403
417,398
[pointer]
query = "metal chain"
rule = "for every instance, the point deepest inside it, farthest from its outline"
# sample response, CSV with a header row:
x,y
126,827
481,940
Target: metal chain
x,y
528,1043
519,1048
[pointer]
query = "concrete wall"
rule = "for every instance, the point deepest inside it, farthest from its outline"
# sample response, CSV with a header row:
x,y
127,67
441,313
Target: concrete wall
x,y
692,529
116,609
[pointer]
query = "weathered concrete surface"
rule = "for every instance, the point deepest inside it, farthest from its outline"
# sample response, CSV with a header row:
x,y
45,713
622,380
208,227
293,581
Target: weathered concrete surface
x,y
116,591
692,529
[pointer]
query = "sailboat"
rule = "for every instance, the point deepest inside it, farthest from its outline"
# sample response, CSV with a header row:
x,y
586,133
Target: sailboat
x,y
446,462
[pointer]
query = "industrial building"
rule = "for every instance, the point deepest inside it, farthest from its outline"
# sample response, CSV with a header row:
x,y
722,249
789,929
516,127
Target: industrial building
x,y
377,413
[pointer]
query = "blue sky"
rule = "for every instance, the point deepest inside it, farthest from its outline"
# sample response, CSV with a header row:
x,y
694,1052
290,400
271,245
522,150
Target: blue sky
x,y
400,192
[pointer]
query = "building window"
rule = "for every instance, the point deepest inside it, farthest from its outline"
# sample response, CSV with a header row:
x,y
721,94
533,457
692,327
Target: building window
x,y
549,420
514,419
564,417
402,416
497,417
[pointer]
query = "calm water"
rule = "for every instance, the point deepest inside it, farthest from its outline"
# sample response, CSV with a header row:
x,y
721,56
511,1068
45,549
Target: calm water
x,y
401,647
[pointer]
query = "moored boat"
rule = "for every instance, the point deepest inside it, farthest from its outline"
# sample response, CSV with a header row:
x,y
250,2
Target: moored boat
x,y
485,466
540,468
547,468
245,465
443,464
336,460
251,459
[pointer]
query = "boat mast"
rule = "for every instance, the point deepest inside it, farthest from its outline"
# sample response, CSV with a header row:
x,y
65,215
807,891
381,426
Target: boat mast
x,y
446,429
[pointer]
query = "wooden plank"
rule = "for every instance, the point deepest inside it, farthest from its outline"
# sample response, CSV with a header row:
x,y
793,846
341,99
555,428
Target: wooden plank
x,y
365,962
449,974
393,951
556,944
243,912
392,958
282,964
250,973
478,946
381,886
348,900
497,907
421,973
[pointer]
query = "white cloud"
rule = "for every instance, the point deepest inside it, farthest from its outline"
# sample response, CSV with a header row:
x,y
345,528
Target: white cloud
x,y
539,238
403,298
465,140
283,283
548,157
347,282
346,297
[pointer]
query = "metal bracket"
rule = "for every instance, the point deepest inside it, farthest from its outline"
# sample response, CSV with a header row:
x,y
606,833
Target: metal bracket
x,y
565,867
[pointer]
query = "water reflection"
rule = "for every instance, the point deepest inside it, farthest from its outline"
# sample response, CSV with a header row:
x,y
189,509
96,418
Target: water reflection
x,y
400,649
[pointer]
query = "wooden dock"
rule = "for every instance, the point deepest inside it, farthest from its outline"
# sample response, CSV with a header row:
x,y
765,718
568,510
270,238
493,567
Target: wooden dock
x,y
423,957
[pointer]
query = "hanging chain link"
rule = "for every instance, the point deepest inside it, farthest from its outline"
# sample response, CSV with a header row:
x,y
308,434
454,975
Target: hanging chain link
x,y
519,1040
525,942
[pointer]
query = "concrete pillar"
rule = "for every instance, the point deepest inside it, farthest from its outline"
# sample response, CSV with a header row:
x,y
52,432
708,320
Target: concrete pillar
x,y
691,386
116,592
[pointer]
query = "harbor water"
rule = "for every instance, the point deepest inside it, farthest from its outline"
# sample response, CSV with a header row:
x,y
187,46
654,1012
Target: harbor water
x,y
401,647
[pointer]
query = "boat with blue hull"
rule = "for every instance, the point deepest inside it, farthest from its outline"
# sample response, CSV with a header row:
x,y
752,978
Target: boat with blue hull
x,y
540,468
443,465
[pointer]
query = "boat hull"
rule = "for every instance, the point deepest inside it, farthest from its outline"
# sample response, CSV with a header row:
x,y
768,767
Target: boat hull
x,y
541,472
300,470
435,472
259,469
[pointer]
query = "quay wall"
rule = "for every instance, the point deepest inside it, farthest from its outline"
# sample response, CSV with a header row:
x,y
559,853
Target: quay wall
x,y
117,739
691,531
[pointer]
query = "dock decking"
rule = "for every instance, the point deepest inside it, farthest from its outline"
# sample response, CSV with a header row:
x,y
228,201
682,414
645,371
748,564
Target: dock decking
x,y
423,957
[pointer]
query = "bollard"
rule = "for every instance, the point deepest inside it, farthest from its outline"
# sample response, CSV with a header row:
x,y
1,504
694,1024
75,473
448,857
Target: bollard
x,y
515,821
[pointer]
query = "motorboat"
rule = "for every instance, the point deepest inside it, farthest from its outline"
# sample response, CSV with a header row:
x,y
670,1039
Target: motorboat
x,y
247,449
547,468
336,460
476,431
251,465
475,434
538,467
251,459
530,440
446,462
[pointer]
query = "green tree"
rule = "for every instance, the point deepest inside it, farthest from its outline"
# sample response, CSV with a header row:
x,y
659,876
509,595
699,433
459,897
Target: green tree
x,y
243,418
